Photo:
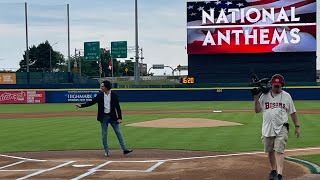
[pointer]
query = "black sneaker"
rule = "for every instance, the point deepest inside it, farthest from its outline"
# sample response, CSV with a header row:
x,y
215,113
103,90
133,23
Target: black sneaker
x,y
106,154
279,177
273,175
127,151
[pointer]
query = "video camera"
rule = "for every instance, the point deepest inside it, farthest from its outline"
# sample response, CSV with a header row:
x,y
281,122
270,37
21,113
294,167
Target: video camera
x,y
262,85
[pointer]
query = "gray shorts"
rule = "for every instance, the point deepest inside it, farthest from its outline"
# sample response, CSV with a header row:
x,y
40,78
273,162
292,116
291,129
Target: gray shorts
x,y
276,143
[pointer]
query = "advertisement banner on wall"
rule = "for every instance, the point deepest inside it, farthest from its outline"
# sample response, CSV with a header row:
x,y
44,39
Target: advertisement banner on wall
x,y
80,96
22,97
70,96
8,78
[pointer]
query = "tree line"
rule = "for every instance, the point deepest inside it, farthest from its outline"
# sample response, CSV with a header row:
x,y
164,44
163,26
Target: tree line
x,y
40,55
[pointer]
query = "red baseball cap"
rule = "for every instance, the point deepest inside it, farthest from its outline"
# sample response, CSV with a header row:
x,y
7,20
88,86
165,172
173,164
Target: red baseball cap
x,y
277,80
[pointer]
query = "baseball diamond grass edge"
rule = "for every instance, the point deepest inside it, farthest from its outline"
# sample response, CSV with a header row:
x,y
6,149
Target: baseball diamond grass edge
x,y
181,105
313,168
312,158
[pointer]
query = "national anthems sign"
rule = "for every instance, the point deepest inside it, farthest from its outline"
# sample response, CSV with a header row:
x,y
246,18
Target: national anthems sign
x,y
251,26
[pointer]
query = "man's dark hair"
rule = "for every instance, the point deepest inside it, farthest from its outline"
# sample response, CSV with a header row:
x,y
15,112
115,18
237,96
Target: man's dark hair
x,y
107,84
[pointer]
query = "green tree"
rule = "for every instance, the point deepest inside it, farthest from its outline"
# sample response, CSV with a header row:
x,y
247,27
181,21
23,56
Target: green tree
x,y
39,58
130,67
88,68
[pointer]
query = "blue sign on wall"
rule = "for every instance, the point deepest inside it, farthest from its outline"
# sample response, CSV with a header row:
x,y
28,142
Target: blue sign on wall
x,y
70,96
175,95
80,96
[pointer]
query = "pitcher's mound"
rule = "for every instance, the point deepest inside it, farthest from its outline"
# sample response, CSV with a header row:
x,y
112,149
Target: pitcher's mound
x,y
184,123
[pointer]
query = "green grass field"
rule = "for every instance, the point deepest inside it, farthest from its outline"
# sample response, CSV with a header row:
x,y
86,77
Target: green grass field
x,y
68,133
198,105
315,158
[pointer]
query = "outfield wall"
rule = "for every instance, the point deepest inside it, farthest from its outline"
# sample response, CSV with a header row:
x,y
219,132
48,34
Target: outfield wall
x,y
143,95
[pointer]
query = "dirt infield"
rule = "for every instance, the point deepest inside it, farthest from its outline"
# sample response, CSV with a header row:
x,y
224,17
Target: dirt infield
x,y
145,164
93,113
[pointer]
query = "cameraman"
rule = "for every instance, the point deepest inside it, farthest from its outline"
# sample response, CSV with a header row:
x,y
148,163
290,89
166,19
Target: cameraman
x,y
275,106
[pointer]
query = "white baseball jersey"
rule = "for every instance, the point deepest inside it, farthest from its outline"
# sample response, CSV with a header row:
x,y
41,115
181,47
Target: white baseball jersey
x,y
275,112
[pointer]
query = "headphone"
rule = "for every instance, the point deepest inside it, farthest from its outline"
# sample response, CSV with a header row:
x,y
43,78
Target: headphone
x,y
107,84
279,76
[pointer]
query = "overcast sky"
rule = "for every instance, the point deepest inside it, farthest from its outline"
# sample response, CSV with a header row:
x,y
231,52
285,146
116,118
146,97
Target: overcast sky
x,y
162,27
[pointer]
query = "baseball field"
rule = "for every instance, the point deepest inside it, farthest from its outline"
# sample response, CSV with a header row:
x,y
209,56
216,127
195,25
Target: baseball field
x,y
35,137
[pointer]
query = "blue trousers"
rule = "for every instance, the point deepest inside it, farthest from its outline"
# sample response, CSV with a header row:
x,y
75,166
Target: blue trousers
x,y
116,128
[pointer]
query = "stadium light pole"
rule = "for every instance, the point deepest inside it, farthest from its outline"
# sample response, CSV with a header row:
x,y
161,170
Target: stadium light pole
x,y
136,64
68,15
69,67
27,46
50,55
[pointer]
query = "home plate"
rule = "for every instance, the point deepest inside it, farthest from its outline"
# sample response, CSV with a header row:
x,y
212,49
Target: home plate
x,y
82,165
216,111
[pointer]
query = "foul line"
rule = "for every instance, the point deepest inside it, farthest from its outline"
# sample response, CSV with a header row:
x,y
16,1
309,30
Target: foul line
x,y
28,159
92,170
221,155
237,154
18,170
45,170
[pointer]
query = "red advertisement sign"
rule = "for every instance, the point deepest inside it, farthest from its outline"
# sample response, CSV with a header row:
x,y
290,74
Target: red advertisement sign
x,y
22,97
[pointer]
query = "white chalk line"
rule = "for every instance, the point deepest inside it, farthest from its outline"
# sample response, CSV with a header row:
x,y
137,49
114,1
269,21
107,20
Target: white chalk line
x,y
82,165
124,170
141,161
177,159
22,158
159,162
20,170
92,170
97,169
154,166
45,170
221,155
13,164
